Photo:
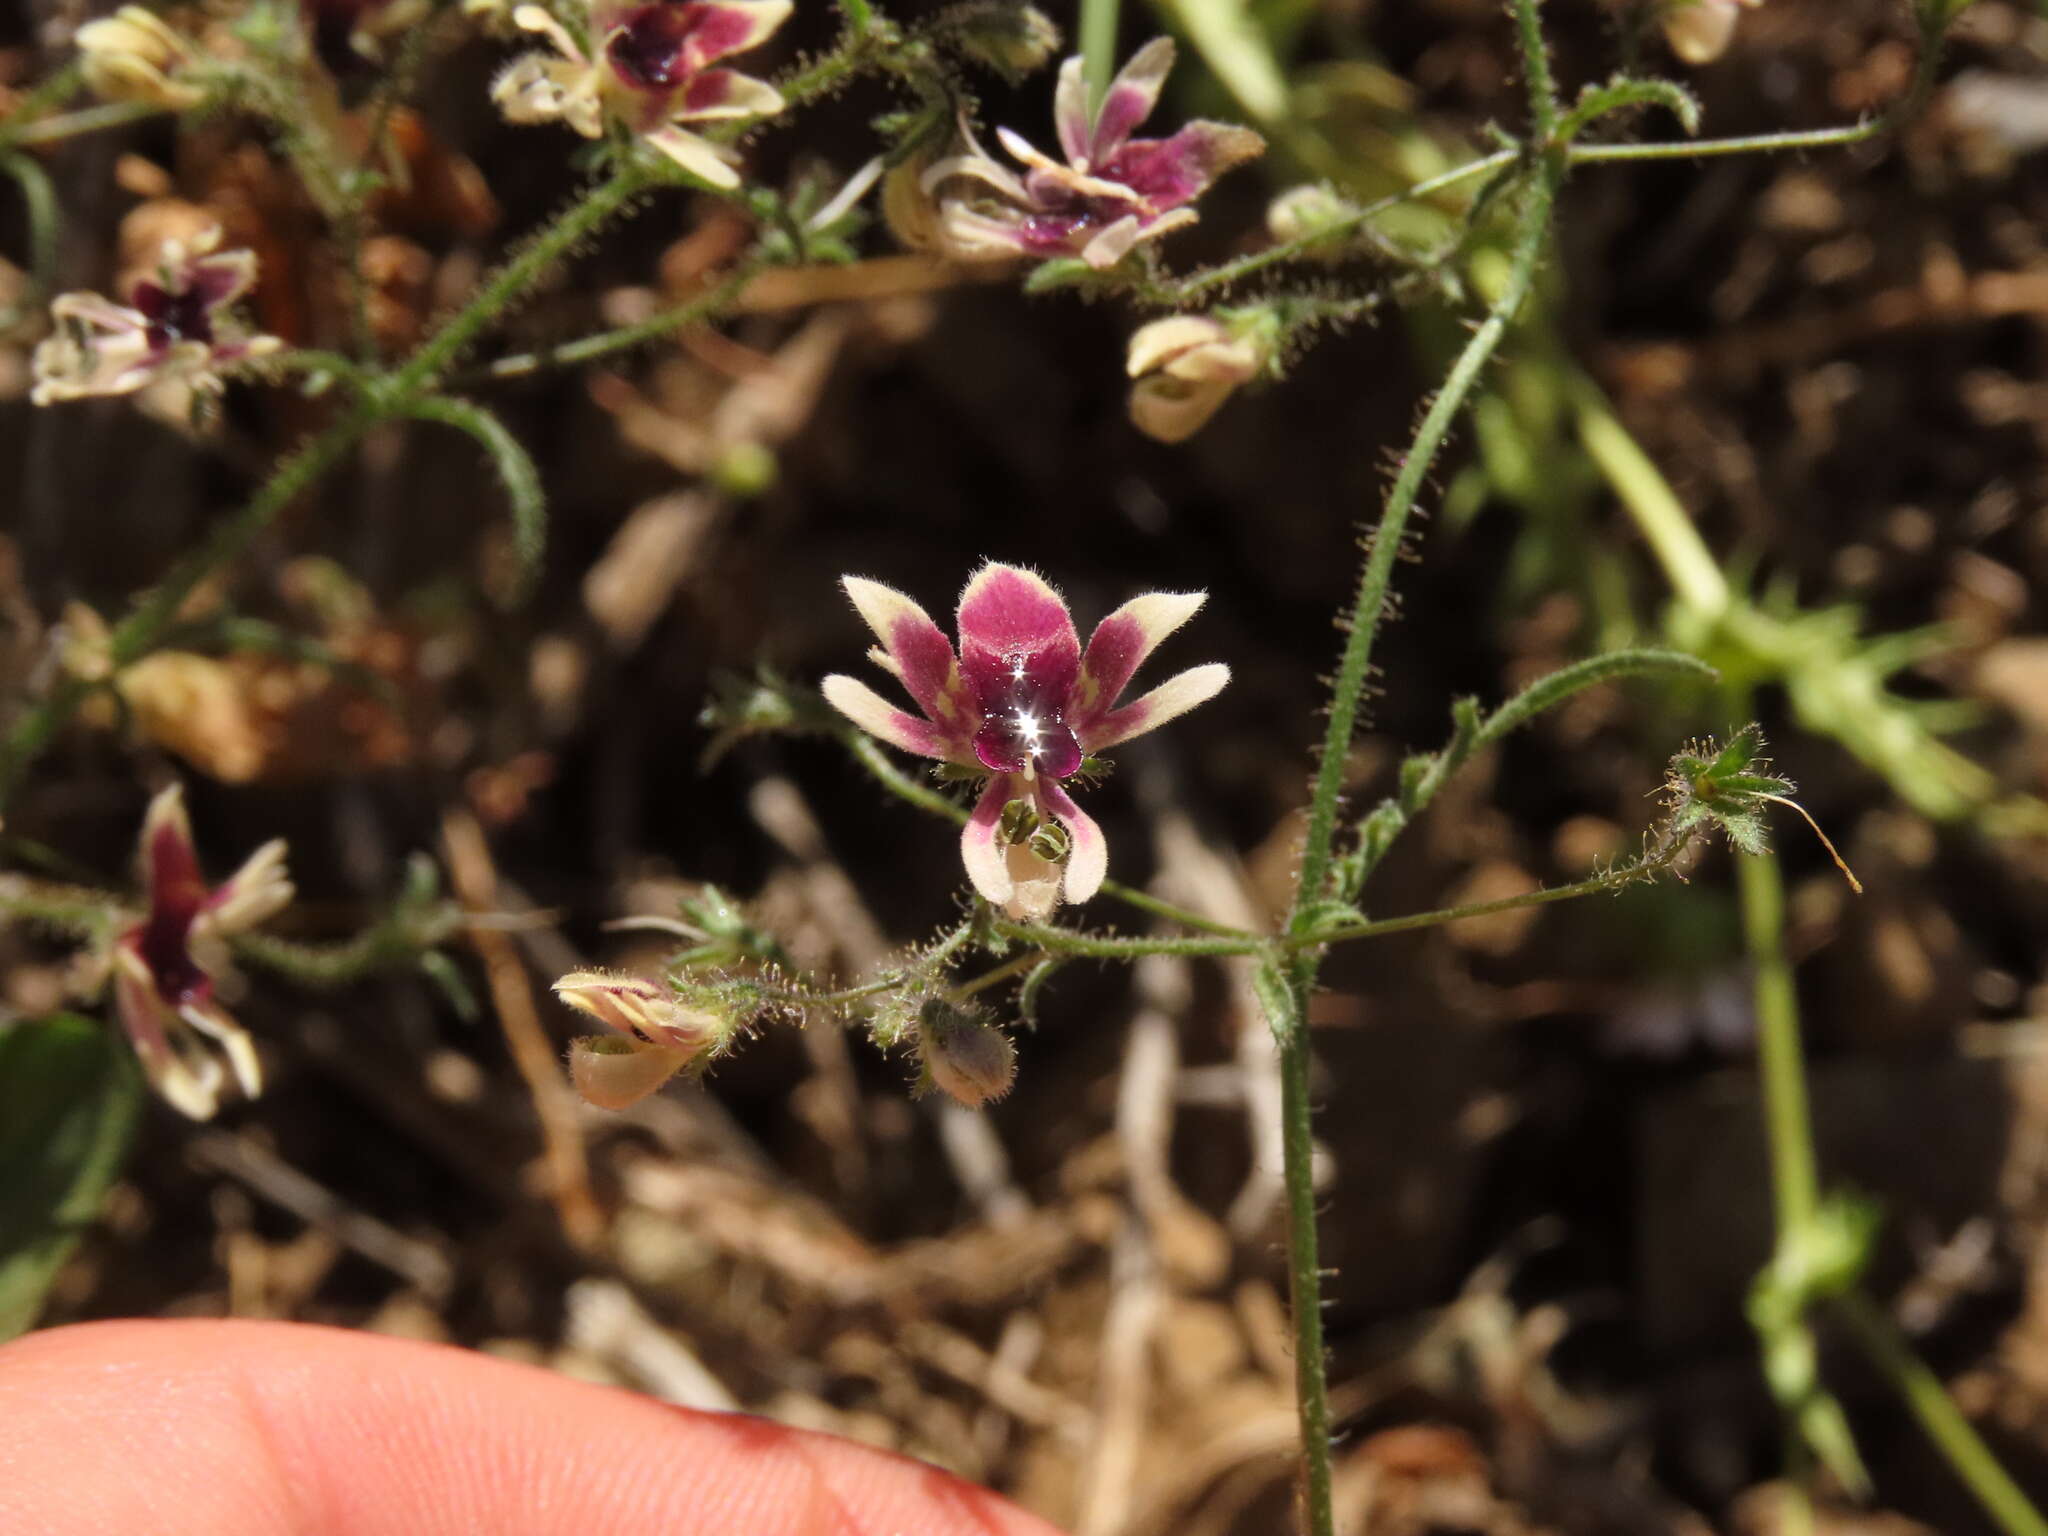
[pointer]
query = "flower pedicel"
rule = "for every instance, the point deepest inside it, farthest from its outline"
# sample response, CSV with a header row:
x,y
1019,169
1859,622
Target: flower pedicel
x,y
1023,704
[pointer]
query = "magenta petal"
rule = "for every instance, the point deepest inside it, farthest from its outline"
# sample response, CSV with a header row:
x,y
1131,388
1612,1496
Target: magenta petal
x,y
1120,645
1169,173
177,895
1088,860
1015,632
211,281
715,28
1130,98
1176,696
709,90
987,867
879,718
922,654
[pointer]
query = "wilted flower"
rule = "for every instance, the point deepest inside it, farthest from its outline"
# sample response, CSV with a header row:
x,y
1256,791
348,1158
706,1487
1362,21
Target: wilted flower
x,y
1113,191
657,1036
1699,31
1188,365
168,966
963,1055
176,325
1012,40
133,56
1023,704
650,71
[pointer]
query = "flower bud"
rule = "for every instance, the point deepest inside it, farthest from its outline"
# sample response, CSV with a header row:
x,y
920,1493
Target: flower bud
x,y
1188,365
133,56
1012,40
1302,213
1699,31
965,1057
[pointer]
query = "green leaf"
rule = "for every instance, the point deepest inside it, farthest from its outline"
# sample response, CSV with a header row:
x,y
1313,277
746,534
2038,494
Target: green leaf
x,y
1624,93
1549,692
516,473
1275,993
69,1095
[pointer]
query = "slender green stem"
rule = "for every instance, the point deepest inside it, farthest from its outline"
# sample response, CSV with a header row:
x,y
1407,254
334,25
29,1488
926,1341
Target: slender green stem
x,y
1370,604
1611,880
45,217
1688,564
52,90
859,14
1304,1264
1098,48
1940,1419
997,976
312,360
69,125
1746,144
394,396
1314,1495
511,282
1144,901
900,784
1105,946
1795,1181
75,910
1226,274
675,318
1538,79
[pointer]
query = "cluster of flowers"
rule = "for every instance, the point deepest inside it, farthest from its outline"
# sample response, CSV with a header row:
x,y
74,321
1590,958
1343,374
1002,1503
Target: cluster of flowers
x,y
1020,705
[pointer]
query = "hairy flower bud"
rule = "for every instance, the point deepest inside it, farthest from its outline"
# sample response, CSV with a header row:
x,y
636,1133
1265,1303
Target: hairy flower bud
x,y
1186,366
133,56
1303,213
1699,31
964,1056
1012,40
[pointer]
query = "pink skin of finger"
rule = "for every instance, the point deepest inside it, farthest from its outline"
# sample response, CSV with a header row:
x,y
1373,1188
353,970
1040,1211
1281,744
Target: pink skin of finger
x,y
281,1429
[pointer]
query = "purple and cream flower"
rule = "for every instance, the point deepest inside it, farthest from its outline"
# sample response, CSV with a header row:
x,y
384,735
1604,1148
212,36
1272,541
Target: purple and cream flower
x,y
178,326
649,70
1023,703
654,1036
1113,191
169,968
1186,366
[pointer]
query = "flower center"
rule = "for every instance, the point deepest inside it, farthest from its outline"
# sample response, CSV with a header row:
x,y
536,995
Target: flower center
x,y
174,317
164,942
650,48
1023,726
